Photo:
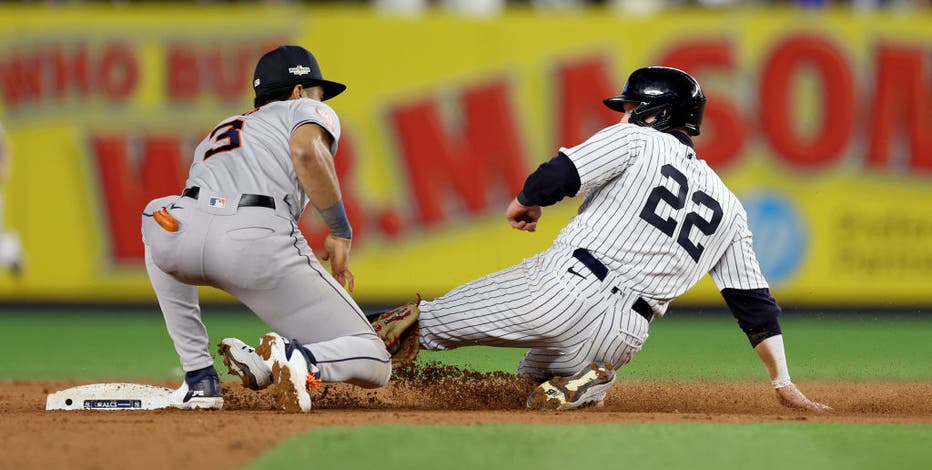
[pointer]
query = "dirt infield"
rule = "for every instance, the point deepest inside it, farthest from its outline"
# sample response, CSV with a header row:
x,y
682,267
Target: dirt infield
x,y
30,437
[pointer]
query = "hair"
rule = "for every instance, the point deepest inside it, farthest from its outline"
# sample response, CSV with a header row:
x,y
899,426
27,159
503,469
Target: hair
x,y
275,94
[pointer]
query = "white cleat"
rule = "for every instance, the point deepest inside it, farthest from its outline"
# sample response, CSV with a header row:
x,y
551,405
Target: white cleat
x,y
243,361
292,376
587,387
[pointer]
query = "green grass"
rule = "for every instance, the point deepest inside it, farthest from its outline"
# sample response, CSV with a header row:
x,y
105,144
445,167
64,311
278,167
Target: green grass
x,y
781,446
130,345
711,346
135,345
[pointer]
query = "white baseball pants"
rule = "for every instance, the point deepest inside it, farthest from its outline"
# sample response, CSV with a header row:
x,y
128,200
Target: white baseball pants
x,y
551,303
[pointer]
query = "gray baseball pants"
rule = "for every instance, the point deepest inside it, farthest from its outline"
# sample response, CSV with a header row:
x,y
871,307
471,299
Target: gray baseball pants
x,y
259,256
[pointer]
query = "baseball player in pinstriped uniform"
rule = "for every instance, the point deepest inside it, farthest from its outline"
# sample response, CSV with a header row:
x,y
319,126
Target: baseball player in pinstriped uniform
x,y
234,228
654,221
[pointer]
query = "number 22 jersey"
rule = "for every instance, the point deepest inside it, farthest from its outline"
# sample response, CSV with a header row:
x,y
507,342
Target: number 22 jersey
x,y
657,216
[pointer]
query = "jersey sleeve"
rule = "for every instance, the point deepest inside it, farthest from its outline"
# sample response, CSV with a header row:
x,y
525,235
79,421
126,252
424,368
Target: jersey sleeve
x,y
606,154
310,111
738,267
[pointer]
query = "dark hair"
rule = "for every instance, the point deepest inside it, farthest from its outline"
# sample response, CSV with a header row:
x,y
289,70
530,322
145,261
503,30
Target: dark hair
x,y
268,96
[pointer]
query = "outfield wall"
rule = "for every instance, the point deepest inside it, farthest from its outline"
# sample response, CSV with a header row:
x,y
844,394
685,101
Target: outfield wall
x,y
819,121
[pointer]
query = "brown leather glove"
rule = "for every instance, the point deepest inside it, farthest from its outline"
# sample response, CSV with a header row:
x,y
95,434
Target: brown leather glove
x,y
399,331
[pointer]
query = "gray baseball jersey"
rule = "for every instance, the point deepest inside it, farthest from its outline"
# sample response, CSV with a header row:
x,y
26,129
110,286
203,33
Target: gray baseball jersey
x,y
655,220
237,232
257,164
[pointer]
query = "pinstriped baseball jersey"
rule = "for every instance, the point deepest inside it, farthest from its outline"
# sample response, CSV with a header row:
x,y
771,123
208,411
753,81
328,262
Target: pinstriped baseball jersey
x,y
262,163
657,216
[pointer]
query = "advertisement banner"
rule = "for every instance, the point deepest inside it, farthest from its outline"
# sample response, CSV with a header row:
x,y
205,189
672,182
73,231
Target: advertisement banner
x,y
817,120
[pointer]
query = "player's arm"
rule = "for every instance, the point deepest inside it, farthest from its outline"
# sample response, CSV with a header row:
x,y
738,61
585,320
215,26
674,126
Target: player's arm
x,y
550,183
310,152
586,166
745,291
757,314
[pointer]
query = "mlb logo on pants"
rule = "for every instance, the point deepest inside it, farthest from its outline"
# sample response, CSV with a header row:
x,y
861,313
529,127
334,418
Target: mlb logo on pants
x,y
218,202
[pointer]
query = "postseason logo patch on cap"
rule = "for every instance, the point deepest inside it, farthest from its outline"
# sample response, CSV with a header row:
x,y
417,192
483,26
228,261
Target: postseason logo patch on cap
x,y
299,70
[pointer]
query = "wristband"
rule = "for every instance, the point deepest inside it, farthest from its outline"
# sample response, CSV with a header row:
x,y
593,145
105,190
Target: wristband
x,y
781,382
335,218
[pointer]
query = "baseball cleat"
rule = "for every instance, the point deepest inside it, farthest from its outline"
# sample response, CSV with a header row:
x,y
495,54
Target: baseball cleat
x,y
293,373
242,361
587,387
199,392
392,325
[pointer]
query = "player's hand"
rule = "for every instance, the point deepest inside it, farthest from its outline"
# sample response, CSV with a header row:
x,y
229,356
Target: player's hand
x,y
337,250
790,397
522,217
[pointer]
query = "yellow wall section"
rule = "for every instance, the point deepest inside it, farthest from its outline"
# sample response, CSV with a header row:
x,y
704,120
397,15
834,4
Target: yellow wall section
x,y
54,199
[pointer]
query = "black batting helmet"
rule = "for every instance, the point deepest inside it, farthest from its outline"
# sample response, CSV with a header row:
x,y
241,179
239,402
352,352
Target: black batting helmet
x,y
670,94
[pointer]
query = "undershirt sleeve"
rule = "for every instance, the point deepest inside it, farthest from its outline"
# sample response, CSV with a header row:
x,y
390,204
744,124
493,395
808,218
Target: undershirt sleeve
x,y
756,311
551,182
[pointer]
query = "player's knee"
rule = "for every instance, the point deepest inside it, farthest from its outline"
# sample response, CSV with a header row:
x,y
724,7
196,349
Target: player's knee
x,y
380,371
631,344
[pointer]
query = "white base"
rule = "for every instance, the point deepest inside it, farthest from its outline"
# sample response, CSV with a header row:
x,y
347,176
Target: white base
x,y
110,396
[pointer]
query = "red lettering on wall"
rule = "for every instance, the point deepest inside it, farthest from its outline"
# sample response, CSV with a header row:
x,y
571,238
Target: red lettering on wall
x,y
778,112
127,188
463,162
183,79
902,103
723,128
230,70
70,71
20,80
581,88
31,76
223,70
119,72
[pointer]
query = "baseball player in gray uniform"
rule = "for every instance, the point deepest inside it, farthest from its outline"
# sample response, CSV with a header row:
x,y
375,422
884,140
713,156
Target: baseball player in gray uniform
x,y
656,218
11,251
234,228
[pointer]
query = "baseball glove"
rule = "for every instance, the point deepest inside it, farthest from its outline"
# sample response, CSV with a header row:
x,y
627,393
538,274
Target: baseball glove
x,y
398,330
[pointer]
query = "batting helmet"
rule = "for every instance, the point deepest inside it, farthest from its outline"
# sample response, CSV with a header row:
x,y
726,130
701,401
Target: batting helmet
x,y
669,94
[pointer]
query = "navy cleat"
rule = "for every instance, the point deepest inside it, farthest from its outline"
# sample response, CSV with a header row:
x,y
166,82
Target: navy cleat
x,y
200,390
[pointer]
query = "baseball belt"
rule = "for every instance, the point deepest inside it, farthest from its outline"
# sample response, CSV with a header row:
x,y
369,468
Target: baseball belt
x,y
247,200
601,271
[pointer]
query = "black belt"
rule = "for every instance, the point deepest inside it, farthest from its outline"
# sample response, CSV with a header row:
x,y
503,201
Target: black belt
x,y
640,305
247,200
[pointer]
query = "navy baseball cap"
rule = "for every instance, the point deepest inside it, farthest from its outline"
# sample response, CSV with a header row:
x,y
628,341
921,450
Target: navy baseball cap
x,y
288,66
